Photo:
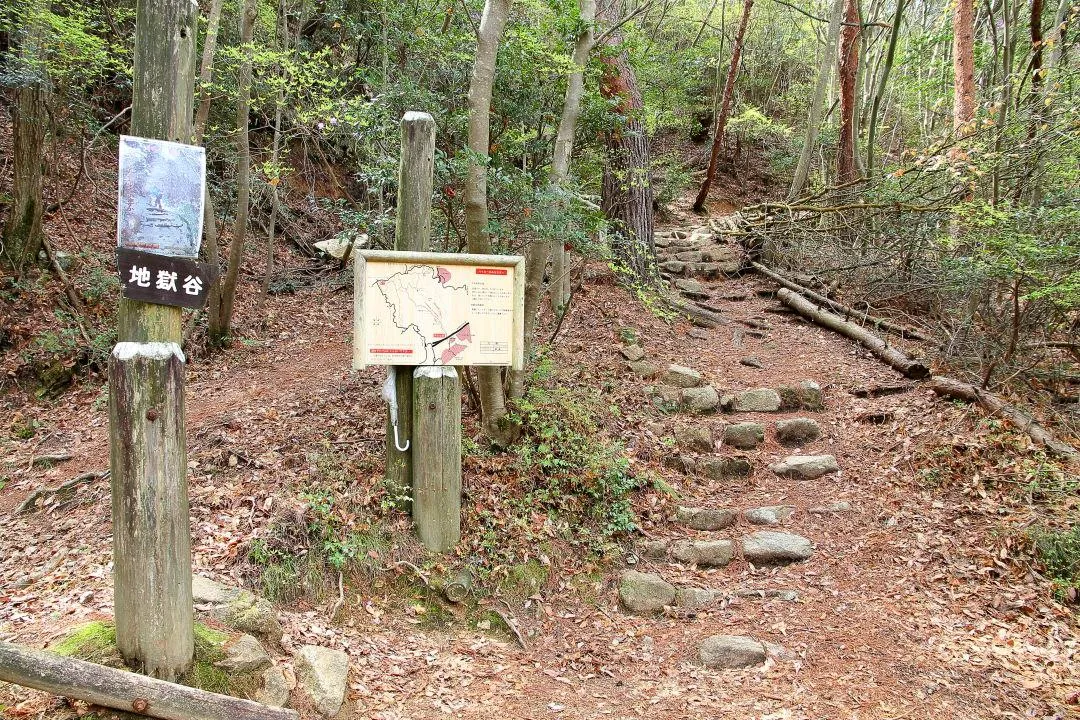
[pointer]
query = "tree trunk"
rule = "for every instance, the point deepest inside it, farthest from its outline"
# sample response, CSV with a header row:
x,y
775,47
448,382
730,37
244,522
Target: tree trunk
x,y
492,25
243,177
963,66
890,54
849,67
725,108
564,144
817,103
163,92
22,231
627,192
206,69
275,156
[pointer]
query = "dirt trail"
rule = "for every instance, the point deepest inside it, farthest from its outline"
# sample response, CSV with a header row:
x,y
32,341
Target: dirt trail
x,y
904,609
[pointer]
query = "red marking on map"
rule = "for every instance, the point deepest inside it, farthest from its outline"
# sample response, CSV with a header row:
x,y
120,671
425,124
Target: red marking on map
x,y
444,275
451,352
464,334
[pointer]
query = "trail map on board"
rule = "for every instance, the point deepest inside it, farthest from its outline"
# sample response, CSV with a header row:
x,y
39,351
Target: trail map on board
x,y
421,314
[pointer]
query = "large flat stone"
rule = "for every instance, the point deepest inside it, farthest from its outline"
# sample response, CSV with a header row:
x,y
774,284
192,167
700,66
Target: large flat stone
x,y
693,598
757,400
683,377
725,468
744,436
703,553
769,515
633,353
645,592
797,431
705,518
700,400
805,467
731,652
767,547
695,438
804,395
321,673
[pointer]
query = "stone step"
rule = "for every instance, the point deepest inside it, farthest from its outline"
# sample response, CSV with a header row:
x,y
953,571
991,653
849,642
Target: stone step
x,y
764,547
805,467
648,593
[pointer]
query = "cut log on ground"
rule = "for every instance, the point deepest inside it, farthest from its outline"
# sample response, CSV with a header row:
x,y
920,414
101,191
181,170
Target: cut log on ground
x,y
999,408
696,315
896,359
124,690
845,310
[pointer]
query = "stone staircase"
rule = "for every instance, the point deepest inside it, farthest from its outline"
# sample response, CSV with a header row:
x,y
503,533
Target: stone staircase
x,y
703,533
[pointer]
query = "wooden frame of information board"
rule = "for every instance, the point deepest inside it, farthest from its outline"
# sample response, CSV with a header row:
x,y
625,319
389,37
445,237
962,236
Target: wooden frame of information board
x,y
515,262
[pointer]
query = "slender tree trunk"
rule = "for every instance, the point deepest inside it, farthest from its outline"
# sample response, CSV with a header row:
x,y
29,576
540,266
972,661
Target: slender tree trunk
x,y
564,144
243,176
890,54
23,233
275,156
206,69
963,66
492,25
725,108
817,103
849,65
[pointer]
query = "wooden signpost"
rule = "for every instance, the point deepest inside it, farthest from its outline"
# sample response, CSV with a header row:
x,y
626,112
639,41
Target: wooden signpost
x,y
422,313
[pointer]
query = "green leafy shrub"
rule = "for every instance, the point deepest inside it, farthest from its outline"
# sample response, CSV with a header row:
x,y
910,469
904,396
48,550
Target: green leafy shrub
x,y
1059,553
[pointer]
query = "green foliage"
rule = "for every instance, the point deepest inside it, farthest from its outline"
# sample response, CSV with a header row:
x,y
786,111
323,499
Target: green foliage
x,y
1059,553
578,478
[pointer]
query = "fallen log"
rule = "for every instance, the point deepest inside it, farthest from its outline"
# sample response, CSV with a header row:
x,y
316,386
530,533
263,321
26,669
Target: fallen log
x,y
996,406
844,310
124,690
696,315
890,355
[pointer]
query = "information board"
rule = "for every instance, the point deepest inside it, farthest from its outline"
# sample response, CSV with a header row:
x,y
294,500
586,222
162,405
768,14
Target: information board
x,y
438,309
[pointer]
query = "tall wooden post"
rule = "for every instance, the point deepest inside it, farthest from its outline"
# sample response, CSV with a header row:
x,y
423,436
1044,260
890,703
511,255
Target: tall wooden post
x,y
162,102
437,457
151,526
412,232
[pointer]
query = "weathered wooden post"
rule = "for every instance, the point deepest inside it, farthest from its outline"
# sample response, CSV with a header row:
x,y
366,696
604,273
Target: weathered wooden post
x,y
148,455
437,456
151,526
416,168
163,97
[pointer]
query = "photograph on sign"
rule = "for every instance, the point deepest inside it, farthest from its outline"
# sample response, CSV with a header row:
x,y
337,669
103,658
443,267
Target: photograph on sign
x,y
438,309
161,191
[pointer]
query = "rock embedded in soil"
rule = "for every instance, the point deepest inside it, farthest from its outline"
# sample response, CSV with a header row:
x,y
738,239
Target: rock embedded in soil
x,y
698,334
645,592
770,515
665,397
644,368
703,553
767,547
690,256
243,654
705,518
250,614
805,395
690,286
700,400
805,467
683,377
744,436
797,431
633,353
654,549
731,652
757,400
321,673
274,688
751,361
725,468
675,267
694,437
205,591
693,598
682,463
836,507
